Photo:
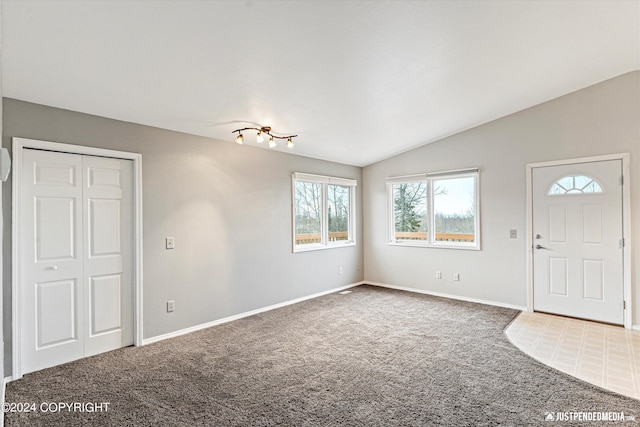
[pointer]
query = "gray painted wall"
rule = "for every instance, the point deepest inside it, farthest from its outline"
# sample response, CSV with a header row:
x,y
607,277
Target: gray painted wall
x,y
601,119
228,207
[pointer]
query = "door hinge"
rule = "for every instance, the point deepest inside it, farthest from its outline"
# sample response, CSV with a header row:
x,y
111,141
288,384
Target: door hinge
x,y
621,180
624,305
621,243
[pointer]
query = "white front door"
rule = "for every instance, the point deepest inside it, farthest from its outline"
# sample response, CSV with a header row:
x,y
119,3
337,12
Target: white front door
x,y
577,239
76,260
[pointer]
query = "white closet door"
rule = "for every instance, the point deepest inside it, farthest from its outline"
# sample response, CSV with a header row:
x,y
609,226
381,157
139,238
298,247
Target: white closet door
x,y
108,242
76,257
51,259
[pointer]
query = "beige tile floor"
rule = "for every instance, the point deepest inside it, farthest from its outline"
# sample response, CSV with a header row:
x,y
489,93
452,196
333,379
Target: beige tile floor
x,y
604,355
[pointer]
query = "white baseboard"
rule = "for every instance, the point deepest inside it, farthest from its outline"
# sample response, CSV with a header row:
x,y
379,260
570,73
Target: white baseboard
x,y
440,294
635,327
245,314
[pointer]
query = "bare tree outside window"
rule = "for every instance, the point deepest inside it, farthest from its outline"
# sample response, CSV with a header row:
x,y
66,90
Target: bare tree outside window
x,y
410,210
308,211
338,212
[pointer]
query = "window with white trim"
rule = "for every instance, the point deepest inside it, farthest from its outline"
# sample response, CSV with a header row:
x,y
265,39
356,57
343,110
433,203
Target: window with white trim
x,y
435,210
323,212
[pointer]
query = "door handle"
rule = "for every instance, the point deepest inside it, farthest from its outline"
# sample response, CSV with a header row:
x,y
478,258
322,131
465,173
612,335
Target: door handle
x,y
53,267
540,247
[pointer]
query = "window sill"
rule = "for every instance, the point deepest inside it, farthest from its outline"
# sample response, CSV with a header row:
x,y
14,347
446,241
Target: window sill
x,y
437,246
322,247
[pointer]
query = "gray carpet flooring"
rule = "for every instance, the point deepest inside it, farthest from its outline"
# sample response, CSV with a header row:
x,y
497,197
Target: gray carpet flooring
x,y
374,357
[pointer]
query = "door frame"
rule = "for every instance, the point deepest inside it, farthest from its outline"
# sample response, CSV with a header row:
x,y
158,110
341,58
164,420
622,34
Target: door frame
x,y
626,225
19,144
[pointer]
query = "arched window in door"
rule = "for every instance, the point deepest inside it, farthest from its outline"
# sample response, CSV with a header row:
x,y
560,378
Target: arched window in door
x,y
575,184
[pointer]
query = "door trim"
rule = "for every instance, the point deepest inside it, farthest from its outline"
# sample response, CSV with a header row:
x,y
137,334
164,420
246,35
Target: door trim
x,y
626,225
19,144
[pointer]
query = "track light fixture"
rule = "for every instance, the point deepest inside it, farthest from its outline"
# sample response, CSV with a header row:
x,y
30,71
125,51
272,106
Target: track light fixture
x,y
261,132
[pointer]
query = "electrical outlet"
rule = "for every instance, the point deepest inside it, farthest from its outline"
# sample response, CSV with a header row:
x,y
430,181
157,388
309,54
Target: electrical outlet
x,y
171,305
513,234
456,277
438,274
340,270
170,243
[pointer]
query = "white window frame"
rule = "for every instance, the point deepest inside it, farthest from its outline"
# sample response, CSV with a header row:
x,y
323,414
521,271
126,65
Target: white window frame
x,y
324,220
428,178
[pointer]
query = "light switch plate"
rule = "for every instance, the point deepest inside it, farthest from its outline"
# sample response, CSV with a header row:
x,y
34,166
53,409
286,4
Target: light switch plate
x,y
170,243
513,234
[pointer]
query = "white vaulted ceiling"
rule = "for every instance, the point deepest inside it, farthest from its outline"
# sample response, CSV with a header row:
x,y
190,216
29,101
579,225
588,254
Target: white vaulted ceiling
x,y
359,81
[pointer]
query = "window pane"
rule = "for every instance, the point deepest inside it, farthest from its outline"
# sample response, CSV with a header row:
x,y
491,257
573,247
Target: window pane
x,y
308,208
410,211
581,181
592,187
338,212
454,208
